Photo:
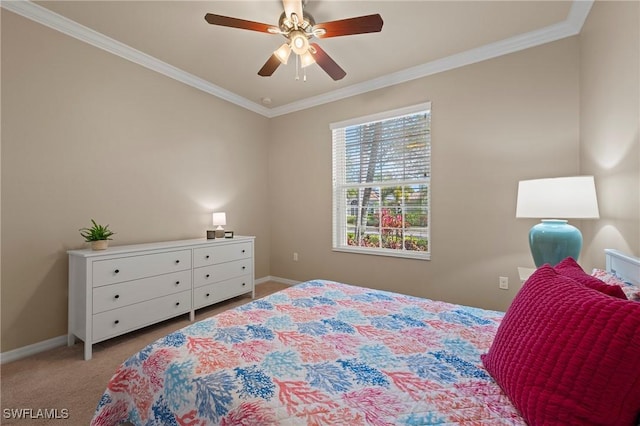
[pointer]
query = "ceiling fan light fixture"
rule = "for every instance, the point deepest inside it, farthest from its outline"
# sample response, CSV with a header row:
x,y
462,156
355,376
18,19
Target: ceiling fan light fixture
x,y
299,42
307,59
283,53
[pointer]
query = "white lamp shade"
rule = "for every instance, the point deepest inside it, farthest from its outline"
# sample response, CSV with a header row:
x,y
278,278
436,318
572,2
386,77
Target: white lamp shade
x,y
306,59
558,198
219,219
283,52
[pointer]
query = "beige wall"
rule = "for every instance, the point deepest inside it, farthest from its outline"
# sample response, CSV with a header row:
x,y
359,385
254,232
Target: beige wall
x,y
86,134
493,123
609,124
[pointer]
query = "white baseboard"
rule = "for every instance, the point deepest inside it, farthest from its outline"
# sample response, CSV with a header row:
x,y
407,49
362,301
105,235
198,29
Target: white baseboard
x,y
262,280
33,349
278,280
25,351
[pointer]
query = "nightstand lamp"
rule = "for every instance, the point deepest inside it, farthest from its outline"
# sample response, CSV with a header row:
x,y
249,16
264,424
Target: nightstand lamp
x,y
219,220
554,201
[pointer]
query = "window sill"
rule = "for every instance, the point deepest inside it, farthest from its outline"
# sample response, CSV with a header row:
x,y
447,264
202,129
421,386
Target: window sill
x,y
417,255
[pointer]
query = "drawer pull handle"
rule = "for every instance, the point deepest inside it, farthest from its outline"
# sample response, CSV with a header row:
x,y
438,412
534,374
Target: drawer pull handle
x,y
116,322
243,284
244,267
177,261
117,296
116,271
177,303
207,295
206,257
206,276
243,250
177,282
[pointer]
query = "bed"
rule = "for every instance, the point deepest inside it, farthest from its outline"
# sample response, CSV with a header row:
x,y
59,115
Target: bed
x,y
328,353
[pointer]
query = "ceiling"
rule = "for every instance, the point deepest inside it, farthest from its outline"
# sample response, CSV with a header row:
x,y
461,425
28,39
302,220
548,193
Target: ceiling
x,y
418,38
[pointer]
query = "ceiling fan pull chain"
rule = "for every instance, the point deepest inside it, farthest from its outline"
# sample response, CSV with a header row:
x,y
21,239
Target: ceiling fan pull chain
x,y
304,75
297,68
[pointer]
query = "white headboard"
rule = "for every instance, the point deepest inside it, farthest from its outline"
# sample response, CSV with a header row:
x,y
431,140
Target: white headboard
x,y
625,266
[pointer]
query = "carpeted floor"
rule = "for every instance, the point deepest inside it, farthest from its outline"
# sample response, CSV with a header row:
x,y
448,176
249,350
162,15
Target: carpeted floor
x,y
60,381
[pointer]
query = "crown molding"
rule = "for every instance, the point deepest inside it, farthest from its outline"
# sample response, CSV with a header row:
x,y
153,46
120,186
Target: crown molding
x,y
578,14
569,27
73,29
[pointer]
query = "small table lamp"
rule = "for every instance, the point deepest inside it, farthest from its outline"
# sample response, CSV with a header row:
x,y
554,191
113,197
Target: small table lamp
x,y
552,240
219,220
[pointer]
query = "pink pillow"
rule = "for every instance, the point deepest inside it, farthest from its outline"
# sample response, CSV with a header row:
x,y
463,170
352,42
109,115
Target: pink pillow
x,y
570,268
567,355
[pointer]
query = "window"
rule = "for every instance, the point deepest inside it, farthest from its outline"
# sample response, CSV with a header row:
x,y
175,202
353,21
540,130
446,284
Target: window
x,y
381,175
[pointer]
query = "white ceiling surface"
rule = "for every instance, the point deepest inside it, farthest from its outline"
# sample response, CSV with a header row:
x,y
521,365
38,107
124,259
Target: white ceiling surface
x,y
418,38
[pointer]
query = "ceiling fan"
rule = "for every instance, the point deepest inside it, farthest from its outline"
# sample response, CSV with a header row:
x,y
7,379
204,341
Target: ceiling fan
x,y
298,27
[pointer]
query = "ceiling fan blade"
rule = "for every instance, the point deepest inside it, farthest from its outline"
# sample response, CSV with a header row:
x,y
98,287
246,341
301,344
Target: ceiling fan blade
x,y
243,24
293,6
350,26
270,66
326,63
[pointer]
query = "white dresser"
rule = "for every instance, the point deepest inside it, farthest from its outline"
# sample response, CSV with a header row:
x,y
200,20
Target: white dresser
x,y
124,288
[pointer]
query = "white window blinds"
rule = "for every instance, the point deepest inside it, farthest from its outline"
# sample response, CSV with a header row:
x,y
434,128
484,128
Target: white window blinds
x,y
381,174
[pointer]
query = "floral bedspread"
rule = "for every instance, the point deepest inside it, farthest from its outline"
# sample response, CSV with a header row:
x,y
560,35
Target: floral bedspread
x,y
318,353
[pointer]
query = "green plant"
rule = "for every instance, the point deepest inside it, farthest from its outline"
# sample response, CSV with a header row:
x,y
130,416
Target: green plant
x,y
96,232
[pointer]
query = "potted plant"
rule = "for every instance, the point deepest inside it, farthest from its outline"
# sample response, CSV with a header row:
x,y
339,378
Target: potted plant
x,y
97,235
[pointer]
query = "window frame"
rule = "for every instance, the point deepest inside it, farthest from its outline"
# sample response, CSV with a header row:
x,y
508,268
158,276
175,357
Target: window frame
x,y
340,206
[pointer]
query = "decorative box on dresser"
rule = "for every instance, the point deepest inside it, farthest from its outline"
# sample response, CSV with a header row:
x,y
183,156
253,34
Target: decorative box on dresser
x,y
124,288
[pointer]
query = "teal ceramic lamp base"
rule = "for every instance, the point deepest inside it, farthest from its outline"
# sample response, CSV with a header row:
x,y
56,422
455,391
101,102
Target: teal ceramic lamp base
x,y
552,240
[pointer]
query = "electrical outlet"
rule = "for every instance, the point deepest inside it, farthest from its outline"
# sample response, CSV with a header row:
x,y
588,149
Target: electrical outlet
x,y
295,256
503,283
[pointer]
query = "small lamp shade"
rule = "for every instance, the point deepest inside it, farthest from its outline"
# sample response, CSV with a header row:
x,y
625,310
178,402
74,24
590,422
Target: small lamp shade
x,y
306,59
283,52
219,220
555,200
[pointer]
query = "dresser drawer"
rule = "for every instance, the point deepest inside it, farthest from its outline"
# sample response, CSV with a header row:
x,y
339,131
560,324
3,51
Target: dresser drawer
x,y
217,292
115,296
133,267
117,321
212,255
221,272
